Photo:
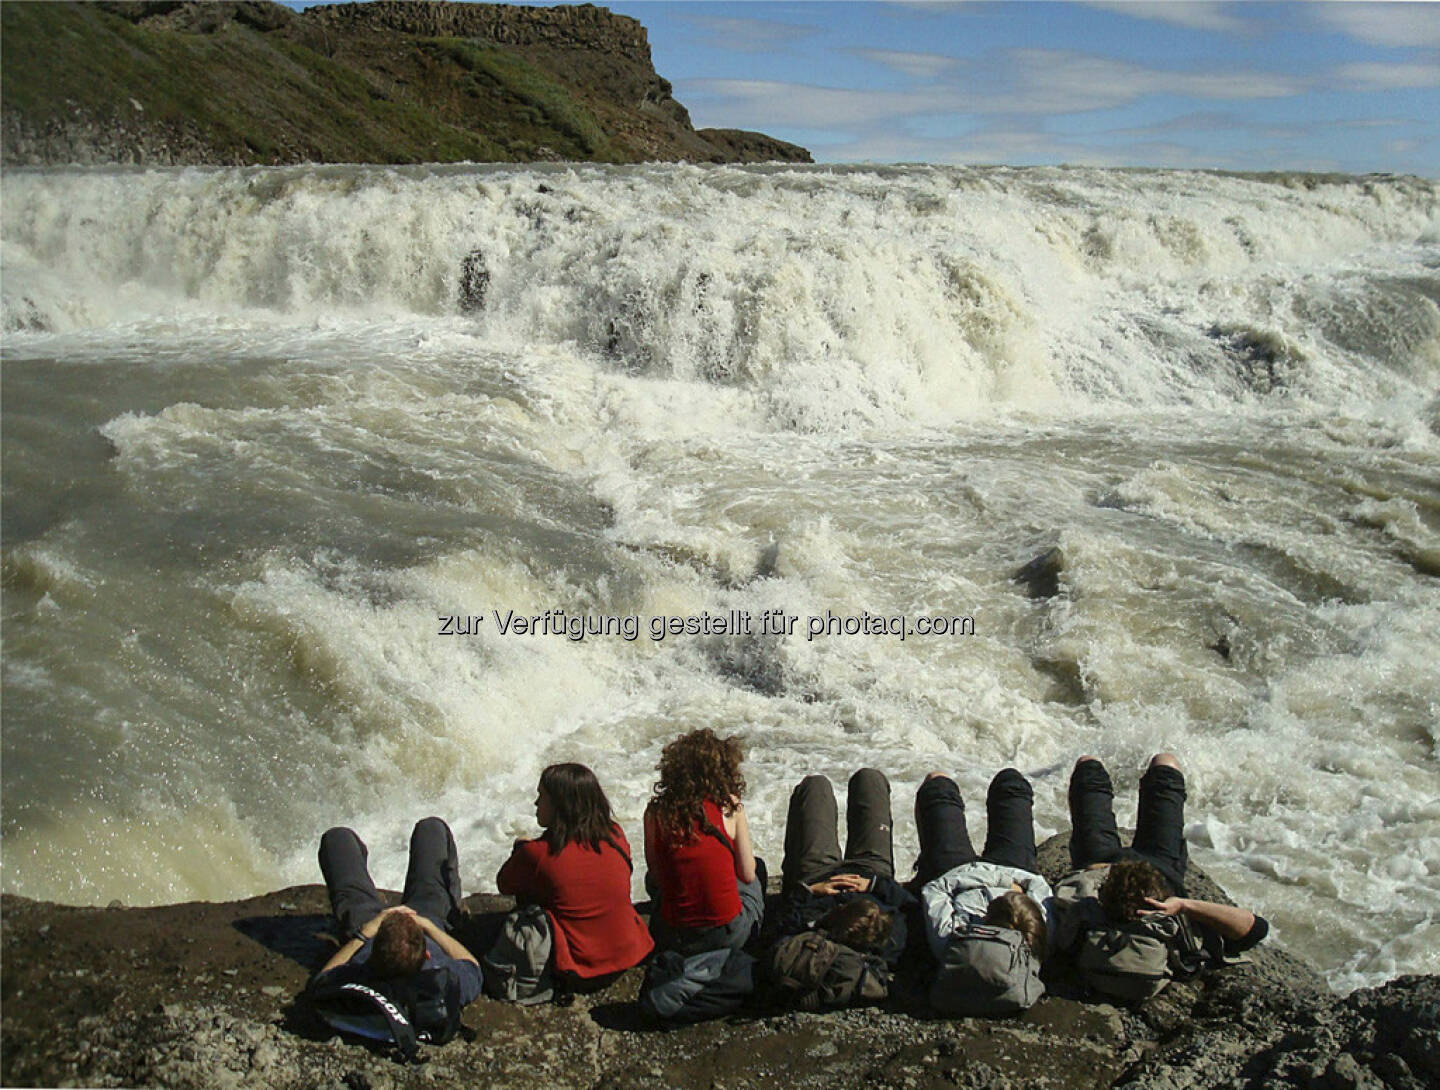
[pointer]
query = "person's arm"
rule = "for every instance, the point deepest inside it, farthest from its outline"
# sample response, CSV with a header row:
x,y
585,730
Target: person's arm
x,y
943,917
352,947
448,945
841,883
1229,921
744,849
890,893
516,878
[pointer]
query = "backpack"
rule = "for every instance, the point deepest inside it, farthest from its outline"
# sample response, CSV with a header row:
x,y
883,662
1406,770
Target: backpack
x,y
812,972
682,990
517,969
986,970
409,1011
1133,961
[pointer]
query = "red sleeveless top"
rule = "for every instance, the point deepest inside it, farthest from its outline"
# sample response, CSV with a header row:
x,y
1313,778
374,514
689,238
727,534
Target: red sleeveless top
x,y
698,887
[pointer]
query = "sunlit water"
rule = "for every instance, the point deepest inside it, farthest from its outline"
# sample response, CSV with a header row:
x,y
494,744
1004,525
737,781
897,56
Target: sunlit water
x,y
264,429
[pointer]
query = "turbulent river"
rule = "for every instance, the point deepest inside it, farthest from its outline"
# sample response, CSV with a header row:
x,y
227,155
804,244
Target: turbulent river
x,y
284,449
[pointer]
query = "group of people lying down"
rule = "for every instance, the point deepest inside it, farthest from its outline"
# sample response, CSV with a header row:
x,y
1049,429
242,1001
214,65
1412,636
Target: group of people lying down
x,y
707,886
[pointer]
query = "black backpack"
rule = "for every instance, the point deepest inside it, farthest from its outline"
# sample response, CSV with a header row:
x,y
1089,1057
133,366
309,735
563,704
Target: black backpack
x,y
813,972
408,1011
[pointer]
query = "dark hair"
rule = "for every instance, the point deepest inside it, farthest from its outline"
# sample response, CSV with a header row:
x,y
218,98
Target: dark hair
x,y
1123,893
1019,912
860,924
399,948
582,812
694,768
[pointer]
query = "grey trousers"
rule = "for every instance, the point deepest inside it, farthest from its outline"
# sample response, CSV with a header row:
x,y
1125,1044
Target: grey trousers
x,y
812,844
432,880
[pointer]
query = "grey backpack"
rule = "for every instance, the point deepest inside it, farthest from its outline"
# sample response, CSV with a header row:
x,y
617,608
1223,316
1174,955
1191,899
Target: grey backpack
x,y
1131,962
986,970
517,968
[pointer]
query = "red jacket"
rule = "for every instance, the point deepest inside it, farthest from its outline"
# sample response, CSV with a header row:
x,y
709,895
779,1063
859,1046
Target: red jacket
x,y
586,893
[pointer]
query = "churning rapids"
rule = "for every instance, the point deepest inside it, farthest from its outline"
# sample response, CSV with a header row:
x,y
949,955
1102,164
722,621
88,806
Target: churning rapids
x,y
266,430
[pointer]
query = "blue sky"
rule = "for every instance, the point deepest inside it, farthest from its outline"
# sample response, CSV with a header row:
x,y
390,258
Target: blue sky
x,y
1246,86
1323,86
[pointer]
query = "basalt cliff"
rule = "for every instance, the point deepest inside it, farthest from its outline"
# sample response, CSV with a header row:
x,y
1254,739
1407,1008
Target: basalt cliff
x,y
205,995
167,83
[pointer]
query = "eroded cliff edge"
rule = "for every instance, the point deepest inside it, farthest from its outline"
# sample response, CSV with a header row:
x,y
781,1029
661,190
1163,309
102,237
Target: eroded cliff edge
x,y
172,83
203,995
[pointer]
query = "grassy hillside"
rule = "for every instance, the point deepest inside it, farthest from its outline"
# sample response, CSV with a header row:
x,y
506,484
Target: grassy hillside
x,y
257,83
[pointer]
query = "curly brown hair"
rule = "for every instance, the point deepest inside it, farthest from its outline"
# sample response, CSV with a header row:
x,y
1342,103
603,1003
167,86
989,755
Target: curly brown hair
x,y
1019,912
693,768
1129,882
860,924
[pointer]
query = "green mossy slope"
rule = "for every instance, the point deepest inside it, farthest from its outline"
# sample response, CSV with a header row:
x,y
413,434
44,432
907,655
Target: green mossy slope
x,y
243,83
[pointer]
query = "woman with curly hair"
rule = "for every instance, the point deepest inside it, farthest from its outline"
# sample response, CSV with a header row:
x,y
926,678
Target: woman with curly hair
x,y
579,872
702,865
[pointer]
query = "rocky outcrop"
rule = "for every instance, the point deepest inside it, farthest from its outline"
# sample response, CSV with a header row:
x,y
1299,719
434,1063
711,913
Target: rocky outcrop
x,y
203,995
167,82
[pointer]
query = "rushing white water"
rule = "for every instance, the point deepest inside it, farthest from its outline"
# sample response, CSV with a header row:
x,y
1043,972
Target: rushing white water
x,y
264,428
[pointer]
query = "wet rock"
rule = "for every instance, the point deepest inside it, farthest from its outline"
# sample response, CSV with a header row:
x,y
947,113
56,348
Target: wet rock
x,y
474,282
1041,576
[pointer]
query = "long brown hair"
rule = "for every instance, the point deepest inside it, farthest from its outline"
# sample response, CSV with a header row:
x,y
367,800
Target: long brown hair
x,y
581,810
693,768
1019,912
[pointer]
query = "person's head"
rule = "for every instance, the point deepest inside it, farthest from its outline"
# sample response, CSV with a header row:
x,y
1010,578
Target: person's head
x,y
1019,912
860,924
693,768
399,948
1122,895
571,806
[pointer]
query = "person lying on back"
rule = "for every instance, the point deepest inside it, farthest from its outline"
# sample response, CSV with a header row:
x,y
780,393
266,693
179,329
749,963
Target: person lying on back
x,y
987,915
398,966
1148,878
854,898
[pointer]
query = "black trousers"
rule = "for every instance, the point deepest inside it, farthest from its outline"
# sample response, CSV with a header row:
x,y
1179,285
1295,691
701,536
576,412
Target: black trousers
x,y
432,879
945,838
1159,820
812,844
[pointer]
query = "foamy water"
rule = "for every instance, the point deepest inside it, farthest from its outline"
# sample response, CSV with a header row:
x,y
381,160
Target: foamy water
x,y
263,429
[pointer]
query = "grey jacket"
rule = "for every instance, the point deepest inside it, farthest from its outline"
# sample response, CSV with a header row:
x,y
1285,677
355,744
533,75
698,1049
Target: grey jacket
x,y
960,897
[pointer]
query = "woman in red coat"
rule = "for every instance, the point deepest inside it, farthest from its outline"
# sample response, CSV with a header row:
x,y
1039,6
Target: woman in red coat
x,y
579,872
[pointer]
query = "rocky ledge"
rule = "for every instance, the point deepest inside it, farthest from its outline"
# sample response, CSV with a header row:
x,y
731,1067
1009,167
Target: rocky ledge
x,y
204,995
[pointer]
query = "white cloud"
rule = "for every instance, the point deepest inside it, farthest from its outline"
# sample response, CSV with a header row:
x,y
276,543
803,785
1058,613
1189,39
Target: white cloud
x,y
773,103
751,35
1030,81
920,65
1194,16
1378,76
1057,81
1408,24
